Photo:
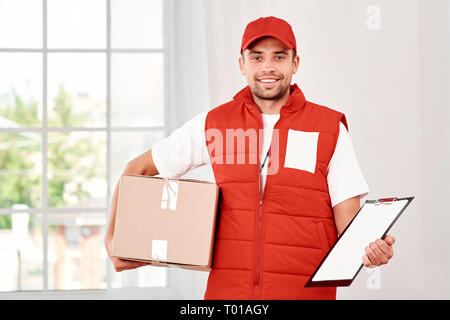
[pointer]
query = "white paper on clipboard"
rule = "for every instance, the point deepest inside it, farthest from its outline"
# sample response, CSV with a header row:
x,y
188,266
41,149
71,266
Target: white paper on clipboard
x,y
344,260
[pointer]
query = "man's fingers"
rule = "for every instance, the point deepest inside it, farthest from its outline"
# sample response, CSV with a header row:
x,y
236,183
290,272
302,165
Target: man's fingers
x,y
379,252
366,262
122,265
381,257
389,239
387,249
372,256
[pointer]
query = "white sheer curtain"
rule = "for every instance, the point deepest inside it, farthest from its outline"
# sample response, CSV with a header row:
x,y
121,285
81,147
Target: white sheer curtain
x,y
386,66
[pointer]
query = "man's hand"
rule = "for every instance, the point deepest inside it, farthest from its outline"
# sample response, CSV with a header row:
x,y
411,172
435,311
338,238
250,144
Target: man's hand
x,y
379,252
121,264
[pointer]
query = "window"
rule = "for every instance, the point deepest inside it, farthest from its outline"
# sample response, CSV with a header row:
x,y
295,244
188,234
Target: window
x,y
79,80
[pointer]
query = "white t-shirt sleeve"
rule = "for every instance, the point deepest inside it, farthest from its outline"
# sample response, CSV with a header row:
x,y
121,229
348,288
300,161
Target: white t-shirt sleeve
x,y
344,176
184,149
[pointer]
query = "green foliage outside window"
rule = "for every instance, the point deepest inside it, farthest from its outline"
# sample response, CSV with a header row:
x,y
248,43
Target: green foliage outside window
x,y
18,151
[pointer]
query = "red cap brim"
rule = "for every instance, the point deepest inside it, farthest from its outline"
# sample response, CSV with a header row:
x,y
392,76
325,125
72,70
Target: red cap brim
x,y
286,43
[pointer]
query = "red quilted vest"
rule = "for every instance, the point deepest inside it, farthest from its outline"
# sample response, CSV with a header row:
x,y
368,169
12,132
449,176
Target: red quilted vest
x,y
267,246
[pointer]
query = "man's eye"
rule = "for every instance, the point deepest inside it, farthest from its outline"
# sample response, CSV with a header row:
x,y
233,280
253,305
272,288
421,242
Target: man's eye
x,y
279,57
254,58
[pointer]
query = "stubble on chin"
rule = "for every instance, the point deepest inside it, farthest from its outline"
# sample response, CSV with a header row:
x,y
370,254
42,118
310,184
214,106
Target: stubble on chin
x,y
264,94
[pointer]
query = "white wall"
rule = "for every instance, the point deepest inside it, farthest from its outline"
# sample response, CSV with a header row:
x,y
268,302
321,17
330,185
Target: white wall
x,y
435,129
391,83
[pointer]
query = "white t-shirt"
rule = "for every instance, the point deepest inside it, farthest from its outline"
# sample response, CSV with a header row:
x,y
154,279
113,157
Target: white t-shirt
x,y
269,121
185,149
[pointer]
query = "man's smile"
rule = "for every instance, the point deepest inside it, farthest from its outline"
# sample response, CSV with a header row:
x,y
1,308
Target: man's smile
x,y
268,82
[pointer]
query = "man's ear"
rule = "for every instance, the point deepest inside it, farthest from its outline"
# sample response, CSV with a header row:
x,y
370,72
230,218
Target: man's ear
x,y
241,65
296,63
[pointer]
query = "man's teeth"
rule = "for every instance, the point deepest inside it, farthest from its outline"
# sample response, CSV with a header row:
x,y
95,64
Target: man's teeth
x,y
268,80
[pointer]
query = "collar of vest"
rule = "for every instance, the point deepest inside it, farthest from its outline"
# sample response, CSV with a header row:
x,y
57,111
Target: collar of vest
x,y
295,102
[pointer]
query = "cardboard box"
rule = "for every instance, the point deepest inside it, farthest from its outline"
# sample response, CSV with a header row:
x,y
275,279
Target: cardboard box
x,y
168,222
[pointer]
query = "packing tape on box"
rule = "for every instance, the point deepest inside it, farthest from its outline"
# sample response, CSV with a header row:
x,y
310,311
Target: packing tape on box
x,y
159,250
170,194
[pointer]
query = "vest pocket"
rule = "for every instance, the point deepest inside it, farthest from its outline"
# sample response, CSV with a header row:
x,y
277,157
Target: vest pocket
x,y
301,150
322,237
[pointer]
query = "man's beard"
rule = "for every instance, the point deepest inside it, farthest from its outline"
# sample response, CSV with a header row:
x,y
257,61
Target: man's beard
x,y
277,94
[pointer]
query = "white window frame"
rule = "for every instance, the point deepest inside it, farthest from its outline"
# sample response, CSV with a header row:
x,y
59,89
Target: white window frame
x,y
109,292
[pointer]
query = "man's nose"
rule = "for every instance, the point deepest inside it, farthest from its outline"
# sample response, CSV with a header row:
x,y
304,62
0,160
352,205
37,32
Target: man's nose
x,y
267,65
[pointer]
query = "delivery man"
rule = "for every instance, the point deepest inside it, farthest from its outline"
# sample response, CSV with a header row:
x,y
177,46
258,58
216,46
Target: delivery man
x,y
278,214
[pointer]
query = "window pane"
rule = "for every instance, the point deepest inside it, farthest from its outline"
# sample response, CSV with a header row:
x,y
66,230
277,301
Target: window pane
x,y
137,24
77,169
125,146
76,254
137,89
20,169
21,251
20,24
76,90
76,23
20,89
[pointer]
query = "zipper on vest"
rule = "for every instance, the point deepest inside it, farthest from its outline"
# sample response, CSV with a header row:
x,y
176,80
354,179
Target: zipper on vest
x,y
257,277
259,232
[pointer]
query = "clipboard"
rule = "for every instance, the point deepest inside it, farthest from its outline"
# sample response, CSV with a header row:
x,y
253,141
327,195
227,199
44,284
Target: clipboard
x,y
342,263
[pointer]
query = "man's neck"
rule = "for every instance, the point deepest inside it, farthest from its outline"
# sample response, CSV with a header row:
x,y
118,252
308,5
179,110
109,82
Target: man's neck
x,y
271,106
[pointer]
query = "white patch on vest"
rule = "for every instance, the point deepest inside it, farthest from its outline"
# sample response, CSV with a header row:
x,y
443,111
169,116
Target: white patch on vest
x,y
301,150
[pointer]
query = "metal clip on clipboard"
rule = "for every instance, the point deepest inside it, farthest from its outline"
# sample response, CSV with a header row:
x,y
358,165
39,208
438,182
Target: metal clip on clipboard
x,y
385,201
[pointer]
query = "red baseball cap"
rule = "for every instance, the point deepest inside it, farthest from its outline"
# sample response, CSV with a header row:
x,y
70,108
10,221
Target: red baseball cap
x,y
269,26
